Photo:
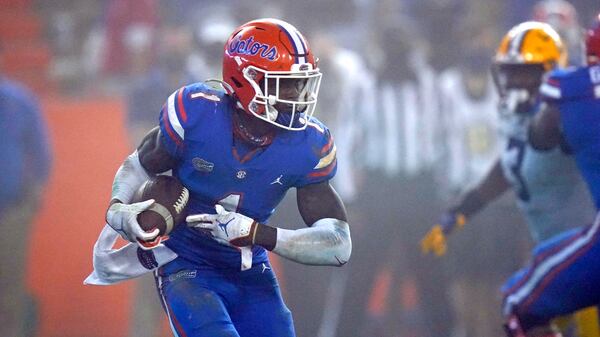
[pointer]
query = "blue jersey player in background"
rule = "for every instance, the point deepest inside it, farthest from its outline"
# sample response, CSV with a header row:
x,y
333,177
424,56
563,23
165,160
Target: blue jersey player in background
x,y
238,151
563,276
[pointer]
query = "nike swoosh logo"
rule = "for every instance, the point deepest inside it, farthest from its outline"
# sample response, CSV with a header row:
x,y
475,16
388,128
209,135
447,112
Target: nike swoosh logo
x,y
340,262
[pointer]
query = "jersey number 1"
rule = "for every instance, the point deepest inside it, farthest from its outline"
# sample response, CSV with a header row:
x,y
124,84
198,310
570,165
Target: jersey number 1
x,y
231,202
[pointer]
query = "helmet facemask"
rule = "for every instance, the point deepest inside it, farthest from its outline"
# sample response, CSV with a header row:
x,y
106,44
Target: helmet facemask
x,y
286,99
518,84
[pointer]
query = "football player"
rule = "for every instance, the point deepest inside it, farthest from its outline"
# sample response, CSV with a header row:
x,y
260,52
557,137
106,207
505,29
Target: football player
x,y
550,191
563,275
238,151
541,179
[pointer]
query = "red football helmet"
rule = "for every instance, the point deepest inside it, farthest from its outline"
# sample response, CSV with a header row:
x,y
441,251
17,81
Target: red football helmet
x,y
272,73
592,42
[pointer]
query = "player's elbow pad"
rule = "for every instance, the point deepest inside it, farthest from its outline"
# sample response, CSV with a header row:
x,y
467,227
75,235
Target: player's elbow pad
x,y
327,242
129,177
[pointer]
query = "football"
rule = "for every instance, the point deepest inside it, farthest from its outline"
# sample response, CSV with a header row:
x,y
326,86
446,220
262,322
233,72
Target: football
x,y
170,201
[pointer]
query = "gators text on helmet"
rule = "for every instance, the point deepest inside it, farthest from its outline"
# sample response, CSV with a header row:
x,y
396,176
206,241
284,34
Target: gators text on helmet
x,y
272,73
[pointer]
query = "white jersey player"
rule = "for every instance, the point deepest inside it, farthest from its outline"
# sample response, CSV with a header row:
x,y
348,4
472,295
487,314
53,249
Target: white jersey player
x,y
550,191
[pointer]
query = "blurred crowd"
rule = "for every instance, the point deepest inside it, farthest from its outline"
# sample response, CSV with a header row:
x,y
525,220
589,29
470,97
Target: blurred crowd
x,y
408,95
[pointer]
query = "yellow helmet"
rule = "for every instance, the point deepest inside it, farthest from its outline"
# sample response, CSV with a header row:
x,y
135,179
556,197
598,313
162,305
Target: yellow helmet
x,y
532,42
525,54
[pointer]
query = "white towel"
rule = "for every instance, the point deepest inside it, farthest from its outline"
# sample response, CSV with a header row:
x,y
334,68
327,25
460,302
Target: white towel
x,y
115,265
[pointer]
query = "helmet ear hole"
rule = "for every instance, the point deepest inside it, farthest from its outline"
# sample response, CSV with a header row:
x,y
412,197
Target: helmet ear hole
x,y
236,82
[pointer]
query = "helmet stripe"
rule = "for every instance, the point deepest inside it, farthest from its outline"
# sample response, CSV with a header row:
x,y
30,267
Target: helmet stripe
x,y
522,42
517,43
512,49
296,40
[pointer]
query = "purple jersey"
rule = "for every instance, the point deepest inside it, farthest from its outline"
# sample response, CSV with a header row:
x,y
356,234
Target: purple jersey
x,y
196,123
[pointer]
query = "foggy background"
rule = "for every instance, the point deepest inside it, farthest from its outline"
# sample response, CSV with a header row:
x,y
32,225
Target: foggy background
x,y
407,94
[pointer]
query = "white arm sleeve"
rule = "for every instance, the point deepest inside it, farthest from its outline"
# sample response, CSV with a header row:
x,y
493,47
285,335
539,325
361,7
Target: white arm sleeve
x,y
327,242
129,177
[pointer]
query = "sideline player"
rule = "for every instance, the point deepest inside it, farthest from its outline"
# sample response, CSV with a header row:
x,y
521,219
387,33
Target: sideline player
x,y
238,151
26,165
563,275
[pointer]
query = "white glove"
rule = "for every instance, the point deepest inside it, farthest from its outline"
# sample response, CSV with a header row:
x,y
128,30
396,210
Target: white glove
x,y
228,228
123,219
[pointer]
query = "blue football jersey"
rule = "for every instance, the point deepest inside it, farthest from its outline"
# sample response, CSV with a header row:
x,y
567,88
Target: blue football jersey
x,y
576,92
196,124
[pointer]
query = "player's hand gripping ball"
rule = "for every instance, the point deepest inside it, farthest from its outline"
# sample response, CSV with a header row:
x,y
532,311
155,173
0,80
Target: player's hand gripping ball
x,y
168,210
